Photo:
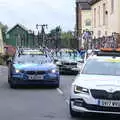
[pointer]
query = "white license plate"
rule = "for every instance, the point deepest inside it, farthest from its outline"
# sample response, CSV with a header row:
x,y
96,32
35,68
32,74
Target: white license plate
x,y
109,103
35,77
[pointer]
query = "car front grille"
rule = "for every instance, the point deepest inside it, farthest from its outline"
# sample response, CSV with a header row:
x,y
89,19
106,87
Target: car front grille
x,y
82,103
70,65
34,72
102,94
99,108
73,63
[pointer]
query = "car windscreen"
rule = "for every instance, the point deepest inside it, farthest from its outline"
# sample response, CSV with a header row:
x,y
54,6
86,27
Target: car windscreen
x,y
38,59
68,54
102,67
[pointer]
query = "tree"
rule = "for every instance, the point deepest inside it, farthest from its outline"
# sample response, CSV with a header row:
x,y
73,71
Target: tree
x,y
66,39
4,29
55,30
55,35
61,39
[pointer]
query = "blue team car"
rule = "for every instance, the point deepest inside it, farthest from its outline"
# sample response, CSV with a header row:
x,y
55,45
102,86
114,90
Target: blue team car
x,y
32,68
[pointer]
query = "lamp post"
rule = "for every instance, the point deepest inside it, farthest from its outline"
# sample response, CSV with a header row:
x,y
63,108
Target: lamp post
x,y
57,36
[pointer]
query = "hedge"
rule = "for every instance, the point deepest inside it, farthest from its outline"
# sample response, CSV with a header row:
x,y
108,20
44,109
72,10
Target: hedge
x,y
2,62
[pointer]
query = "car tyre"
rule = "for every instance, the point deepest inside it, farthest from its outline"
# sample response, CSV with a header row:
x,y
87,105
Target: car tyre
x,y
57,86
9,77
58,83
13,86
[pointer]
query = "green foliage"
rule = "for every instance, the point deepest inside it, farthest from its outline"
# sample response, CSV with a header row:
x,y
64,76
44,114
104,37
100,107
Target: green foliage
x,y
5,58
66,38
55,31
3,27
4,30
67,35
1,60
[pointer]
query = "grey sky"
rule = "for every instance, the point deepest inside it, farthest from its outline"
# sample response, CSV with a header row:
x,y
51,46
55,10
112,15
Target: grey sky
x,y
31,12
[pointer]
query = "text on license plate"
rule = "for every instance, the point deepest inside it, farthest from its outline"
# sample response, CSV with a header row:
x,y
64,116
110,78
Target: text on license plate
x,y
35,77
108,103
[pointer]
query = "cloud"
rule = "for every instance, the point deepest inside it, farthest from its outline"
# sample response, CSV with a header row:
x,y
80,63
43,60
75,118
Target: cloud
x,y
32,12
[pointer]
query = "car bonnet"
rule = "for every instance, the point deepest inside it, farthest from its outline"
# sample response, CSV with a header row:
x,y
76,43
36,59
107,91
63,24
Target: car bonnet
x,y
33,66
104,82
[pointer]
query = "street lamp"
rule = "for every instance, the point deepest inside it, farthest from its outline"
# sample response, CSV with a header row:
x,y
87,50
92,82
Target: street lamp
x,y
57,36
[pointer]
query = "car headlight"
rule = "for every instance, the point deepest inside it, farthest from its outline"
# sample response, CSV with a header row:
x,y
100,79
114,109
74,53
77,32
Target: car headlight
x,y
58,63
17,71
78,89
54,70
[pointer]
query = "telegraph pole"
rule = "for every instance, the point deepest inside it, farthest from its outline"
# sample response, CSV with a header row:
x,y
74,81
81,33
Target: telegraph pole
x,y
43,26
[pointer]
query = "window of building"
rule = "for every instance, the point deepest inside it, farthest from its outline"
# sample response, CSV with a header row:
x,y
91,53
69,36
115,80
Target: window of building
x,y
105,33
88,22
94,17
99,33
112,6
104,13
99,15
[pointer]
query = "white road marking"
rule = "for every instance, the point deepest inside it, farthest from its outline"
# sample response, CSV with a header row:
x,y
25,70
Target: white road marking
x,y
60,91
67,101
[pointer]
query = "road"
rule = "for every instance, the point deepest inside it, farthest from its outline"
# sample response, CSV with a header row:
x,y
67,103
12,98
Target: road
x,y
37,104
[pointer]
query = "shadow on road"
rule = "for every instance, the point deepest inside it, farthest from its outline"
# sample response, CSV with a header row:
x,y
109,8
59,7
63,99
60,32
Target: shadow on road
x,y
35,87
66,74
6,85
98,117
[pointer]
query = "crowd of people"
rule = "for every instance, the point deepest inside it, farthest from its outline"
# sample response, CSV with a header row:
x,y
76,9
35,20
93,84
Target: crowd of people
x,y
108,42
105,42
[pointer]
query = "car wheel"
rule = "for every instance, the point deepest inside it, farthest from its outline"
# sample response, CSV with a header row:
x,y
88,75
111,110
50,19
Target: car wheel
x,y
12,85
72,113
9,77
57,86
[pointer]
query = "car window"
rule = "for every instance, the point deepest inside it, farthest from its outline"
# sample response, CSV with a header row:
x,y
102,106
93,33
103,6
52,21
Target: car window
x,y
39,59
102,67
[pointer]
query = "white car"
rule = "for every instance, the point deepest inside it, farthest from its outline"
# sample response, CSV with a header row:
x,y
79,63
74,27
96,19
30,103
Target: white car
x,y
97,88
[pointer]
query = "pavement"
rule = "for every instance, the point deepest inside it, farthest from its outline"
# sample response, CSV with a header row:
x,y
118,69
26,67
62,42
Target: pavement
x,y
38,104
